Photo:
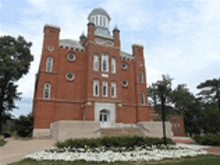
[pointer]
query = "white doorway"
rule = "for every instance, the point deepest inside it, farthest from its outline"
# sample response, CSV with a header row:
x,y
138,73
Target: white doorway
x,y
104,118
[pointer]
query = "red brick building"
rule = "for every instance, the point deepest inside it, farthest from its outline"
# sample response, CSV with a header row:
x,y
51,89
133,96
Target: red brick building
x,y
90,79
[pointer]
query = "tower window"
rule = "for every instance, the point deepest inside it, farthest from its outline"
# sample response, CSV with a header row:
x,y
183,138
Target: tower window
x,y
141,77
47,91
104,22
113,65
100,20
105,89
49,64
96,88
105,63
143,99
124,66
70,76
96,20
114,90
96,63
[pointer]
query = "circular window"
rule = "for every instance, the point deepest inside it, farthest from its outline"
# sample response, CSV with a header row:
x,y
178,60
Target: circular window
x,y
71,57
51,48
70,76
125,83
124,66
140,65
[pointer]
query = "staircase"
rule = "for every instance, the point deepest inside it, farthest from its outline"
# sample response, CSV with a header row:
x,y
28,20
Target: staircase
x,y
109,132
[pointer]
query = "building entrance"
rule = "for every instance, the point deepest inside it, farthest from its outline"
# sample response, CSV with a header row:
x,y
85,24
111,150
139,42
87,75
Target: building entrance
x,y
104,118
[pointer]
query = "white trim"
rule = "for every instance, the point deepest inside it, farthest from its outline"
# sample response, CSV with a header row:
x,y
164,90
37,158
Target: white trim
x,y
143,99
113,65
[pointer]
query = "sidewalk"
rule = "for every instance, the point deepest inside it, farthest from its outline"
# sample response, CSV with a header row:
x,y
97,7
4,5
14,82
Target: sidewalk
x,y
15,150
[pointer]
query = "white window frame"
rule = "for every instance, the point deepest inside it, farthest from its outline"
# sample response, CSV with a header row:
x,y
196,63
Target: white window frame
x,y
107,63
49,64
47,90
96,63
113,65
105,89
96,84
114,87
143,99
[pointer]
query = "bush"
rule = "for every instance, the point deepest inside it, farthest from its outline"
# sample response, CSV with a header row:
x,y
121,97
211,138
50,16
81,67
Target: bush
x,y
24,125
113,142
208,139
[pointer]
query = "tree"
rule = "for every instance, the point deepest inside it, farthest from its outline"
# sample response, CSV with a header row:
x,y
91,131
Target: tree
x,y
160,93
188,107
24,125
210,91
15,59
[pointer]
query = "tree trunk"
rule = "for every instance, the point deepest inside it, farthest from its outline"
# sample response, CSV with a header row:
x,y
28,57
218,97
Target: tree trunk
x,y
163,119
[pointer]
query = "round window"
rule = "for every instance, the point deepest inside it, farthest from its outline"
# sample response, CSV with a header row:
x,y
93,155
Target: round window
x,y
71,57
140,65
125,83
70,76
125,66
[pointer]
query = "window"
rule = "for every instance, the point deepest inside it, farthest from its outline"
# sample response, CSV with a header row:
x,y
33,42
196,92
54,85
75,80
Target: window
x,y
104,22
96,20
124,66
47,91
100,20
114,90
50,64
125,83
105,63
113,68
143,99
71,57
96,63
96,88
70,76
105,89
141,77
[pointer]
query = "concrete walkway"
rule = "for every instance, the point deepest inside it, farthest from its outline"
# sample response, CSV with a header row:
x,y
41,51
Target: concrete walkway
x,y
15,150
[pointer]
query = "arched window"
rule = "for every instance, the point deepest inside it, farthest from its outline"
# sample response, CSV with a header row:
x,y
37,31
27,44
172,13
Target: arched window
x,y
113,90
105,63
105,89
49,64
113,65
47,91
96,88
141,77
143,99
96,63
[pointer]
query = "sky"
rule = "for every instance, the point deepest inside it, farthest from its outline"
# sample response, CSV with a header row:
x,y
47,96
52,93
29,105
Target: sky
x,y
181,38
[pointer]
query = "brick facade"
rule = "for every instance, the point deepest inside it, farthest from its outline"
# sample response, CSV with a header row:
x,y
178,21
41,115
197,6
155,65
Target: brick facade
x,y
75,100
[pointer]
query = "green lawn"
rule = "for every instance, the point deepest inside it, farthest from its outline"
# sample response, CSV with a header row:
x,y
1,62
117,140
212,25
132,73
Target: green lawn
x,y
200,160
2,143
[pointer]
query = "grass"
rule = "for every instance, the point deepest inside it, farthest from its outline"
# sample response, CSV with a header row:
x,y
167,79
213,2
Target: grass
x,y
200,160
2,143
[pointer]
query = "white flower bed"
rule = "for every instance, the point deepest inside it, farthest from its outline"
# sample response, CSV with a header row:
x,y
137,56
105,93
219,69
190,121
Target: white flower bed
x,y
101,154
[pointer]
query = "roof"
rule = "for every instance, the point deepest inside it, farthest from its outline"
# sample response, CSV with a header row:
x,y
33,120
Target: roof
x,y
103,32
126,55
99,11
70,43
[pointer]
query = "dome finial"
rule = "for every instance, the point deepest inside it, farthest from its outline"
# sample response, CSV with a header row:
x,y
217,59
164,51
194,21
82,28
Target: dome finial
x,y
116,28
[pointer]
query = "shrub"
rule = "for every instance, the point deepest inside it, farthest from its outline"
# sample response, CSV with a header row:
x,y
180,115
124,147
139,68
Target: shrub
x,y
208,139
112,142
